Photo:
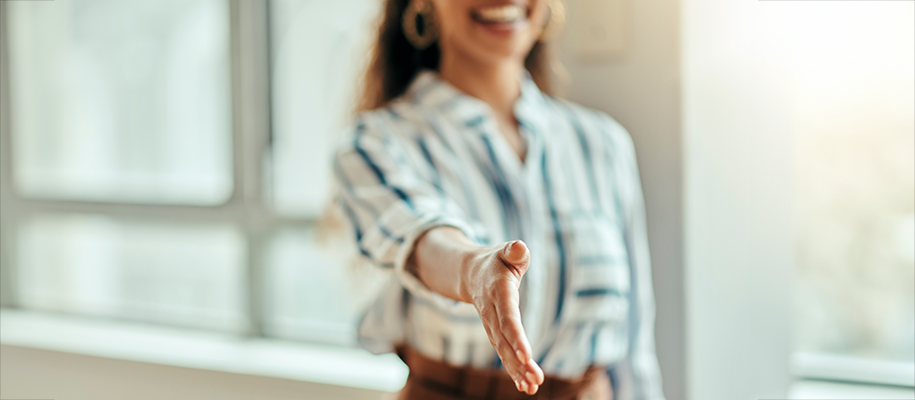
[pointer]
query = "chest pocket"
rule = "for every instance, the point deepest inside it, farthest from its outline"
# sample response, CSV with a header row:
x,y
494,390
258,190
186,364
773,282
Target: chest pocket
x,y
598,268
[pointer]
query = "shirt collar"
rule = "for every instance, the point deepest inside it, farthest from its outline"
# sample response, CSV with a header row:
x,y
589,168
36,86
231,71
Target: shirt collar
x,y
429,90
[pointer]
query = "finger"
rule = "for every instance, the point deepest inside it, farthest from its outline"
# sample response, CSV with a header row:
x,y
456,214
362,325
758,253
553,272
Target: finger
x,y
503,348
513,334
510,325
526,374
514,368
520,372
534,373
517,255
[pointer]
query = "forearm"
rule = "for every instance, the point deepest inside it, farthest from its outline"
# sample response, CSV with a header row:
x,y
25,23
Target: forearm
x,y
440,259
488,277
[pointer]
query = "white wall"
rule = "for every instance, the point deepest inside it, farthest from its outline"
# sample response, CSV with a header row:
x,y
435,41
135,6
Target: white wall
x,y
641,89
738,212
27,373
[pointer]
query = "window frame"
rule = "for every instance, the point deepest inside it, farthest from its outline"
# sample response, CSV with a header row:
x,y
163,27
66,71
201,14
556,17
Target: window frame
x,y
248,206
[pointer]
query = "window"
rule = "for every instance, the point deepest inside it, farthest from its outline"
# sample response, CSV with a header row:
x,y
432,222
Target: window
x,y
120,101
185,274
315,293
317,49
167,162
854,118
798,121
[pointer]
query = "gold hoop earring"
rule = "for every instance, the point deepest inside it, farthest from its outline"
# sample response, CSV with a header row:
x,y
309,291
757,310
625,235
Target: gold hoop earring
x,y
556,21
410,31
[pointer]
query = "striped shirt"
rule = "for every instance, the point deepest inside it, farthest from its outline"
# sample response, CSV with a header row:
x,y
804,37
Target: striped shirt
x,y
435,157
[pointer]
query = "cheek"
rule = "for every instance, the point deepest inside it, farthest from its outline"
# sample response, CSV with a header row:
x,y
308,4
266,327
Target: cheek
x,y
455,26
540,14
450,17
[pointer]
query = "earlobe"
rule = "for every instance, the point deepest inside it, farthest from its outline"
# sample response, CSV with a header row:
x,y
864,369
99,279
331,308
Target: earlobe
x,y
419,36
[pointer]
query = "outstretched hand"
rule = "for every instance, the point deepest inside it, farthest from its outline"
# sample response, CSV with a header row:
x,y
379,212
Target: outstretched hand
x,y
491,281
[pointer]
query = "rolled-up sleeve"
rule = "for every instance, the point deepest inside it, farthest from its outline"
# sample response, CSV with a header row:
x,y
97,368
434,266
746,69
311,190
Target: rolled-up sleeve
x,y
389,202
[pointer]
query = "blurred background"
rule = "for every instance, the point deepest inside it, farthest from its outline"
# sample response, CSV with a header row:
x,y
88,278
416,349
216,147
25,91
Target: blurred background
x,y
164,167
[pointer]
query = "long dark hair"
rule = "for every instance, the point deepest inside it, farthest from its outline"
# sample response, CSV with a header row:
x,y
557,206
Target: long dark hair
x,y
395,62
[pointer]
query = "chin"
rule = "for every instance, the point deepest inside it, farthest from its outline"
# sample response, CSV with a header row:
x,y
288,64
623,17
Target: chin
x,y
503,53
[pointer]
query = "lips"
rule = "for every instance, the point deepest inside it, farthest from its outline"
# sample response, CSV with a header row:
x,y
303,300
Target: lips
x,y
502,14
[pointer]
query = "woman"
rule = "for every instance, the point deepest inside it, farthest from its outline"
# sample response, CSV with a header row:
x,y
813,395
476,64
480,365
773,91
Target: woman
x,y
463,177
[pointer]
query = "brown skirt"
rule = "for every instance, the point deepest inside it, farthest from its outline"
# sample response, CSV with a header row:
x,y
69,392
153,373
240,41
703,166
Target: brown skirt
x,y
435,380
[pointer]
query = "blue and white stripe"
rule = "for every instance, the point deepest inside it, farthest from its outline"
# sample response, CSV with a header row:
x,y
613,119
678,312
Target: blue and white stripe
x,y
435,157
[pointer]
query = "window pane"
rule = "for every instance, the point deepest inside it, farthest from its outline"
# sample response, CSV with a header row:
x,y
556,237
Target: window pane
x,y
316,291
318,49
177,274
855,130
124,101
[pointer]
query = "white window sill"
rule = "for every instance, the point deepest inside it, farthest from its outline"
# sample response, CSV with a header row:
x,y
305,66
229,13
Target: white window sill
x,y
203,350
825,376
355,367
811,390
851,369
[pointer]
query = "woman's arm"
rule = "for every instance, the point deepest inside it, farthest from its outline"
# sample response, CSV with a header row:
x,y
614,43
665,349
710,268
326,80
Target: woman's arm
x,y
488,277
403,223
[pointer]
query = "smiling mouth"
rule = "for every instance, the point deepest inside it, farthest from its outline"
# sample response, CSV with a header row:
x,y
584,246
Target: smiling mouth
x,y
500,14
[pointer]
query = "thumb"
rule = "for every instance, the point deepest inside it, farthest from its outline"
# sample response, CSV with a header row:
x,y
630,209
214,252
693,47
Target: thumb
x,y
516,254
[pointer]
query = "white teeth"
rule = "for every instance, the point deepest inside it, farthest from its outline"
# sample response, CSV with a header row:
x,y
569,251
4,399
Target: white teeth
x,y
501,14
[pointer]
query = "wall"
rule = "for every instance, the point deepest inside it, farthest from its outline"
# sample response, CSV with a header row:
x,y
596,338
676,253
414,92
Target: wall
x,y
738,203
640,88
27,373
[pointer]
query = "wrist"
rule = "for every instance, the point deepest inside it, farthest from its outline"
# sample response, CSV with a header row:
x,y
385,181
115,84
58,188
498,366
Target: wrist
x,y
470,263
